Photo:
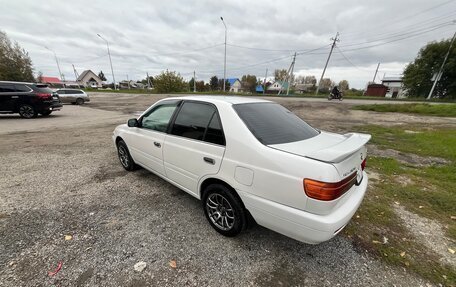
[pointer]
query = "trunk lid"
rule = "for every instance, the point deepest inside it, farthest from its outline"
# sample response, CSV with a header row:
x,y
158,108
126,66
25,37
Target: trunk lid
x,y
345,152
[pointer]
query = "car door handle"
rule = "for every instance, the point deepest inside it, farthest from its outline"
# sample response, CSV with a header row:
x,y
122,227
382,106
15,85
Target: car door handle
x,y
209,160
14,97
157,144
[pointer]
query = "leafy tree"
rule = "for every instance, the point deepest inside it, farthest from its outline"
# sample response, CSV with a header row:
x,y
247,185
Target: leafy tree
x,y
310,80
343,85
169,82
227,85
249,82
39,77
15,63
191,84
202,87
280,75
101,76
214,83
418,74
326,84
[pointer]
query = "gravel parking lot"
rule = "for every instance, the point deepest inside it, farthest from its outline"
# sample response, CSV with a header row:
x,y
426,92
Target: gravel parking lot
x,y
65,198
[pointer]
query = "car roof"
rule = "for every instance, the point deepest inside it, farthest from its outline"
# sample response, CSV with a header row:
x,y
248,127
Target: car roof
x,y
230,100
13,82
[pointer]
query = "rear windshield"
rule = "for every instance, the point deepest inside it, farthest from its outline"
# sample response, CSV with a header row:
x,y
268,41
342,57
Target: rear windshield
x,y
41,88
272,124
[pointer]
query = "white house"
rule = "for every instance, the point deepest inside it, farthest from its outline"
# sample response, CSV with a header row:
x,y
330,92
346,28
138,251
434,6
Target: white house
x,y
277,86
235,85
395,87
89,79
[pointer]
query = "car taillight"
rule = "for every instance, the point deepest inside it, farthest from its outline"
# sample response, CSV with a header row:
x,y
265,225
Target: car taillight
x,y
44,96
327,191
363,164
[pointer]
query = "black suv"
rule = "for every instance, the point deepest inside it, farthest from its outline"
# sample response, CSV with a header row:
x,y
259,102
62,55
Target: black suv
x,y
28,99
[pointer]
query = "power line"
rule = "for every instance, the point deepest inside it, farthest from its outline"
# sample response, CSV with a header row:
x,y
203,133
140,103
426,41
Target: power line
x,y
395,35
404,17
394,40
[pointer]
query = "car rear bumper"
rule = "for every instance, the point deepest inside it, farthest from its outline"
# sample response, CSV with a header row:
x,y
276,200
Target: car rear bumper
x,y
50,107
300,225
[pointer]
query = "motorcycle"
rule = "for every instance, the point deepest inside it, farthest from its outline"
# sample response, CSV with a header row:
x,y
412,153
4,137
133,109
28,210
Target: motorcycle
x,y
340,96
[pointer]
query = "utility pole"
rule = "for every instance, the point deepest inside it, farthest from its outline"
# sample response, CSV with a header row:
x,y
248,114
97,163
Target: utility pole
x,y
62,77
128,82
335,39
110,61
289,73
375,75
194,81
148,80
264,82
76,75
224,66
439,74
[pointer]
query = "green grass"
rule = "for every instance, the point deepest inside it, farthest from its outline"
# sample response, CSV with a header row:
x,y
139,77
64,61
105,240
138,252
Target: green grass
x,y
430,193
446,110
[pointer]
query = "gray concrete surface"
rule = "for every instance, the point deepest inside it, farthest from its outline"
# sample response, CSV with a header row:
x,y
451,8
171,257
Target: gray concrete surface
x,y
60,176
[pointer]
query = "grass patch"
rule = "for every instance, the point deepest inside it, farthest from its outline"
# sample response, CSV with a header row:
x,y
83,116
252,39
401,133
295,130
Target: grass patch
x,y
429,192
421,141
446,110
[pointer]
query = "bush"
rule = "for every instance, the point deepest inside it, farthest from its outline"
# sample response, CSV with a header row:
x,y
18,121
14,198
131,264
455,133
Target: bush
x,y
169,82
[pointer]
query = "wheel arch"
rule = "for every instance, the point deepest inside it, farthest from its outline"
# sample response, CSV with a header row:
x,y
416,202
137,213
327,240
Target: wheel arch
x,y
213,180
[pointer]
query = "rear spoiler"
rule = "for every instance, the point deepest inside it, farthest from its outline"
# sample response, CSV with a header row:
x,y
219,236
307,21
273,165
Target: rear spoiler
x,y
337,153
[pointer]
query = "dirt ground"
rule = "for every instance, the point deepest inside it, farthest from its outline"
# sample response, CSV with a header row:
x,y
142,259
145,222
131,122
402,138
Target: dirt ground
x,y
64,198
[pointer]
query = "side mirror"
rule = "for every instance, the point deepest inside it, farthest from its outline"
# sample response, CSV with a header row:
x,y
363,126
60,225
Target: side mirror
x,y
133,123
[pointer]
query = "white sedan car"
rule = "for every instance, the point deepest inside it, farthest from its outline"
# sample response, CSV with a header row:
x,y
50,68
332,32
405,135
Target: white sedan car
x,y
243,156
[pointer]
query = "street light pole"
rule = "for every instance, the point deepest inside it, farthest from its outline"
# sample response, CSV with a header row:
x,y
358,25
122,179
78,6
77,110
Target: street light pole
x,y
110,61
58,66
224,66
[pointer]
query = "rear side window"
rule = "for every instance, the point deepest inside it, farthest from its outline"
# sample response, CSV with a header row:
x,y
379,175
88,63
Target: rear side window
x,y
22,88
42,89
198,121
7,88
272,124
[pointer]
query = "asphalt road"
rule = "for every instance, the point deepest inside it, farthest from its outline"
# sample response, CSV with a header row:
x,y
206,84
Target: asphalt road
x,y
65,198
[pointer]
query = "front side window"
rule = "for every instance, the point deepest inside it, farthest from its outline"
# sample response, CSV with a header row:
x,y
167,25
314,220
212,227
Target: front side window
x,y
273,124
199,121
158,118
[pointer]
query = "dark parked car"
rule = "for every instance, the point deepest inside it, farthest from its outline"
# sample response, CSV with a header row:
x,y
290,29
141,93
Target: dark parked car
x,y
28,99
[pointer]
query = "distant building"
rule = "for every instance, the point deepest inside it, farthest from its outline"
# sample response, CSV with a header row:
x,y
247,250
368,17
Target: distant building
x,y
277,86
303,88
89,79
53,82
395,87
376,90
235,85
259,89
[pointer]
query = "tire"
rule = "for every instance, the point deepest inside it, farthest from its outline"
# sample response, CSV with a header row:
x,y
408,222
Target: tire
x,y
79,101
46,113
27,111
220,201
124,156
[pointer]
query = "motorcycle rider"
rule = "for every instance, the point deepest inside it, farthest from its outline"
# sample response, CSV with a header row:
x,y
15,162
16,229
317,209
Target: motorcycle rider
x,y
336,93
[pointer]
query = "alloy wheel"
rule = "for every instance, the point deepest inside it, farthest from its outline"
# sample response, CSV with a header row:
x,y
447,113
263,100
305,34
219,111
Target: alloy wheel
x,y
220,211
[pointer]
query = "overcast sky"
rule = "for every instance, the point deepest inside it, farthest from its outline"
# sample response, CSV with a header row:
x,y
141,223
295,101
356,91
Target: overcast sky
x,y
152,36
